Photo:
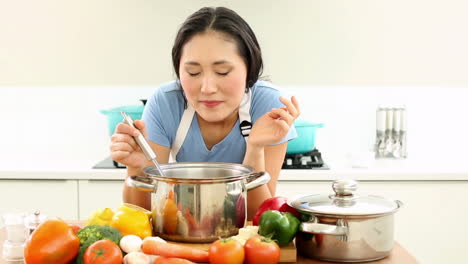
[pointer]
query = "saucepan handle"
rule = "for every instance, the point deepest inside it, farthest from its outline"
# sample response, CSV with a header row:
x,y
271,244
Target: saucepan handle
x,y
325,229
257,179
142,183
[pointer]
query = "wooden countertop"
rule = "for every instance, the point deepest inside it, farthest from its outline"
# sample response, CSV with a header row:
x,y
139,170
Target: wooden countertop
x,y
398,256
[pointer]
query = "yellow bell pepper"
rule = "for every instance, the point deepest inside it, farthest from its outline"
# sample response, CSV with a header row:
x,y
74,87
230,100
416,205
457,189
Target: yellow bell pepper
x,y
130,219
100,217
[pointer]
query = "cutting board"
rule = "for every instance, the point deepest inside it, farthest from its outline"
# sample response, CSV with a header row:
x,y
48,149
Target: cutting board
x,y
288,253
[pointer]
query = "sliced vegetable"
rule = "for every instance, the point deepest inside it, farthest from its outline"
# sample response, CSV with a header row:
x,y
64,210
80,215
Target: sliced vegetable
x,y
155,247
53,241
245,233
226,251
103,252
281,227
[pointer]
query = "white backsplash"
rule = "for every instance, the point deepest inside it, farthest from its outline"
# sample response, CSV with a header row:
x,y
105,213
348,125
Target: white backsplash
x,y
45,125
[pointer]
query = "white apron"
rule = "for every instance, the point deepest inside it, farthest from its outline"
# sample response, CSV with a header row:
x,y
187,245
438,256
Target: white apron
x,y
189,113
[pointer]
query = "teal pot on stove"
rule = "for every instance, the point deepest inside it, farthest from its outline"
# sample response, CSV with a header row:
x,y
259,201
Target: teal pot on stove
x,y
114,116
305,141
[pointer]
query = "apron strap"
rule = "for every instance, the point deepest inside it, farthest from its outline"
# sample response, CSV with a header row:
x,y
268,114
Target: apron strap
x,y
182,131
244,115
187,117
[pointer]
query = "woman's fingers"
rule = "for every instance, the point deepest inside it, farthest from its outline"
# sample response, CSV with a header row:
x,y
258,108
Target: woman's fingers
x,y
283,114
122,146
122,128
291,105
284,126
296,106
119,155
118,137
141,127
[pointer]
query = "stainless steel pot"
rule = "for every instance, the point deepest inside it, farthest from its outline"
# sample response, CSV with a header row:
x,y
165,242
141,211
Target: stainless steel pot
x,y
199,201
345,227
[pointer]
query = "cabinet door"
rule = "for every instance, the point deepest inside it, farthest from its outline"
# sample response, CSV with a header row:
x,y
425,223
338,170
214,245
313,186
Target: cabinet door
x,y
51,197
430,225
98,194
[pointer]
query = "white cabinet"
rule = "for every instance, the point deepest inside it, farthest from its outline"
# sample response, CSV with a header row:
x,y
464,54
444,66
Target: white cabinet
x,y
430,225
98,194
52,197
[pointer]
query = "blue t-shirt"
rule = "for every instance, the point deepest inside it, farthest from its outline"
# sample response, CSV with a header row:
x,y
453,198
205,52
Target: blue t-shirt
x,y
164,109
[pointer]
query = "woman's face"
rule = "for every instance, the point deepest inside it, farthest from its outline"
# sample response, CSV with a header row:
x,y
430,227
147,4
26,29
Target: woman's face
x,y
213,76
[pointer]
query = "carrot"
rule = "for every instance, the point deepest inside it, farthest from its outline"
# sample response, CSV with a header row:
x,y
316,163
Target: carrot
x,y
163,260
154,247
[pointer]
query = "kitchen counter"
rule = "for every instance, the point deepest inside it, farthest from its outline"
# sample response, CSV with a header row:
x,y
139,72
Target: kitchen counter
x,y
396,173
398,256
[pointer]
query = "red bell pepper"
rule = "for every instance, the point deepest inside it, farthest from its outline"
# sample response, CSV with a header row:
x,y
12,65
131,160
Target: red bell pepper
x,y
278,203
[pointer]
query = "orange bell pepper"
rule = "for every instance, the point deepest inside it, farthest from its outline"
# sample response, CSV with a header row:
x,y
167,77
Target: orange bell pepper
x,y
52,242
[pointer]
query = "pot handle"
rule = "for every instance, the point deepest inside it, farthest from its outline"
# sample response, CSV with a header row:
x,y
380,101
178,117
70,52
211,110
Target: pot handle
x,y
257,179
142,183
316,228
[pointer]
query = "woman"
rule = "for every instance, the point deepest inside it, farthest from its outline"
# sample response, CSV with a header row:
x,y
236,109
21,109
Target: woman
x,y
217,61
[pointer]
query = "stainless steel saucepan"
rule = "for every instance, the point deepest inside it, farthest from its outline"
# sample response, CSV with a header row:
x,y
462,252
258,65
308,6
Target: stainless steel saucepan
x,y
198,201
345,227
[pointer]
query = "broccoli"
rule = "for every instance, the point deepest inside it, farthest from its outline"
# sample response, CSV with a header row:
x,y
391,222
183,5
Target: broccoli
x,y
90,234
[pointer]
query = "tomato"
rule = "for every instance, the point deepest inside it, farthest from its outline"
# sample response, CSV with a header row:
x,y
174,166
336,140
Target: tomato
x,y
75,228
261,250
226,251
103,252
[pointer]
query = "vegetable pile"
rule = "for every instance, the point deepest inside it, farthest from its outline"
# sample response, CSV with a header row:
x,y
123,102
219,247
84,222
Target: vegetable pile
x,y
125,236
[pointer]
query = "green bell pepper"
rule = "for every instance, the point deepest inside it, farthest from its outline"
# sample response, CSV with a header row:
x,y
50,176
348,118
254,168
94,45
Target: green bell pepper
x,y
281,227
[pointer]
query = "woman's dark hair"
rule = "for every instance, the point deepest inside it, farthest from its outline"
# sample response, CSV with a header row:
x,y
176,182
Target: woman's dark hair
x,y
223,20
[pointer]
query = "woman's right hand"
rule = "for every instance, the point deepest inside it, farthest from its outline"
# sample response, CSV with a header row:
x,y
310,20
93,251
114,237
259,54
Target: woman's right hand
x,y
124,148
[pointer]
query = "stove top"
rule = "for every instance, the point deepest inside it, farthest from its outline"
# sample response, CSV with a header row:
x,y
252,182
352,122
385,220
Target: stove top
x,y
310,160
108,163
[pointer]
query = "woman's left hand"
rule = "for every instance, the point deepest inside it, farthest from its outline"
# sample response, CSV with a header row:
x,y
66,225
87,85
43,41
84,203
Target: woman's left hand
x,y
274,125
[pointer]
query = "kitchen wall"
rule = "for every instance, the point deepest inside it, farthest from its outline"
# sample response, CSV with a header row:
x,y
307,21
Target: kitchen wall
x,y
320,42
63,126
63,61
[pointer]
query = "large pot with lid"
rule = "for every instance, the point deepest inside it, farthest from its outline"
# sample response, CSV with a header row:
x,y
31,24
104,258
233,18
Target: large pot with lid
x,y
344,226
198,201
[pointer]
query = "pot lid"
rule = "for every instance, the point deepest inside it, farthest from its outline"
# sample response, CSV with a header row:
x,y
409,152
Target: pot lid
x,y
344,202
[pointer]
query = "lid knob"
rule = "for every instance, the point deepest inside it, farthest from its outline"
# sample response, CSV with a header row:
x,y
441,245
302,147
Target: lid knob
x,y
344,187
